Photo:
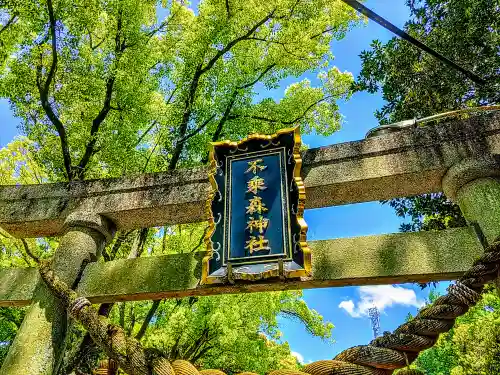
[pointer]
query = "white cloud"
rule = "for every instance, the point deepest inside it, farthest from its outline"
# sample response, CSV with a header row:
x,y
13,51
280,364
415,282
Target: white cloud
x,y
380,296
347,306
299,357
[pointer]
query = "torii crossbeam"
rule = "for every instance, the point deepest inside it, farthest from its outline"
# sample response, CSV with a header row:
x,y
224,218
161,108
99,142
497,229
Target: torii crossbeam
x,y
459,157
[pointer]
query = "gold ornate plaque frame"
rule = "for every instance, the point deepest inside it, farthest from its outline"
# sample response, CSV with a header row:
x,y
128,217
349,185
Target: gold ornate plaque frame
x,y
285,264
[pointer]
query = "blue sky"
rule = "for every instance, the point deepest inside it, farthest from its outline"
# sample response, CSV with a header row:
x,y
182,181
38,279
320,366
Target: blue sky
x,y
344,307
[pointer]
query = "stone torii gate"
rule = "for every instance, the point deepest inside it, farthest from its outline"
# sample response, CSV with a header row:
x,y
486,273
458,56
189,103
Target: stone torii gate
x,y
461,158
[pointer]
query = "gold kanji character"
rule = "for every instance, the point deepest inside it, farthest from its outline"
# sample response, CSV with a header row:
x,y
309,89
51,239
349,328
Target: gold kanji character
x,y
256,184
254,166
257,244
256,205
259,224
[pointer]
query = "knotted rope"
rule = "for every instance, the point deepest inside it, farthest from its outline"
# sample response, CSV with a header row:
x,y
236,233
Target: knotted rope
x,y
381,357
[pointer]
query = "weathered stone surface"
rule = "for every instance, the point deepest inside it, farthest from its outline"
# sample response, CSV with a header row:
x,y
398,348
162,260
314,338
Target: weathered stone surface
x,y
391,258
40,342
405,163
469,170
17,285
475,185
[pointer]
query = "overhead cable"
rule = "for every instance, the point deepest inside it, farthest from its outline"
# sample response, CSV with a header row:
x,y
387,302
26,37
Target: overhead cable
x,y
389,26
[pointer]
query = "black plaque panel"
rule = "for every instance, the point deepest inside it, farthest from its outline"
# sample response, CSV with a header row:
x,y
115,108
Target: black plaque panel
x,y
256,209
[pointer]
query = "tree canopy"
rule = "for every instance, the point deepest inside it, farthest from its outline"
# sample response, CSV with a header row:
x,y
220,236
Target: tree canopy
x,y
120,87
106,88
415,84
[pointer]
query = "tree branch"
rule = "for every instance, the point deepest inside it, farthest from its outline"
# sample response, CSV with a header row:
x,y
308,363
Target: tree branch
x,y
176,154
151,154
122,314
200,70
160,26
231,44
261,75
197,344
149,129
295,315
132,320
92,47
309,108
201,352
164,240
174,352
43,89
151,33
23,255
292,9
53,66
225,117
120,238
9,23
220,126
171,96
227,112
139,243
321,33
282,44
90,150
146,133
26,249
151,313
96,123
297,119
197,130
200,242
29,252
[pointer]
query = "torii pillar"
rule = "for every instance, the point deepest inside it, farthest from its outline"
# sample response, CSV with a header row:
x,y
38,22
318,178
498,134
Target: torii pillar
x,y
40,342
474,184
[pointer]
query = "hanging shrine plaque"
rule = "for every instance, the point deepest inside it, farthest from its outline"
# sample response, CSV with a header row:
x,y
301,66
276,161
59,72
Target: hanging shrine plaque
x,y
256,224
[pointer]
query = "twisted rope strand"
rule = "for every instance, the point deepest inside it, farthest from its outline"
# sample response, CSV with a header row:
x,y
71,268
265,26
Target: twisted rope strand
x,y
422,332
